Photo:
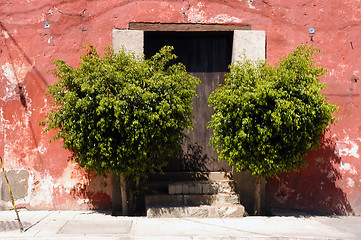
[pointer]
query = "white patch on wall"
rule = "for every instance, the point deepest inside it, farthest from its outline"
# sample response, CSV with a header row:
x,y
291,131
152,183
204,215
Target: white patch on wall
x,y
15,73
42,190
332,73
224,18
3,121
45,108
350,183
196,15
50,38
250,2
348,147
71,179
83,201
347,167
342,66
5,34
40,149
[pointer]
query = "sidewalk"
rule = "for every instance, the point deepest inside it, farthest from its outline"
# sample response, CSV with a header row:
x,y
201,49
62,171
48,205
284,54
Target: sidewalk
x,y
95,225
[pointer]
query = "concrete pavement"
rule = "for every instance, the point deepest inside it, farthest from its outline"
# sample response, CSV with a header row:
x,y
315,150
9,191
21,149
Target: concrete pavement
x,y
96,225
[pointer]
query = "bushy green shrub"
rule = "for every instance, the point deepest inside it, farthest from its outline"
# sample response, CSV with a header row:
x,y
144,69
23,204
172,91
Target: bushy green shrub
x,y
120,113
267,118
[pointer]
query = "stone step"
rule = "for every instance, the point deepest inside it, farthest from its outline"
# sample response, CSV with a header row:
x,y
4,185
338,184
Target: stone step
x,y
213,211
201,187
191,187
190,176
190,200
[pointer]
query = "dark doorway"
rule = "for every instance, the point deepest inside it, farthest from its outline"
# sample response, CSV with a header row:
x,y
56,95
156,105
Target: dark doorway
x,y
198,51
207,56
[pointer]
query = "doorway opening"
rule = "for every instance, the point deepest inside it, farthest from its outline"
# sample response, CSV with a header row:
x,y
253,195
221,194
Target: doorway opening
x,y
198,51
207,56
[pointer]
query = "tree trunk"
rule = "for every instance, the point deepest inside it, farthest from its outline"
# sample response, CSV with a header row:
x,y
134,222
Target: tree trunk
x,y
123,191
132,203
257,196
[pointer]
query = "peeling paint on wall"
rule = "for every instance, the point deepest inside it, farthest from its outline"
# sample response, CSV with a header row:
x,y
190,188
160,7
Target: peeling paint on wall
x,y
5,34
224,18
350,183
27,50
348,147
250,4
15,74
196,14
4,122
42,188
347,167
283,193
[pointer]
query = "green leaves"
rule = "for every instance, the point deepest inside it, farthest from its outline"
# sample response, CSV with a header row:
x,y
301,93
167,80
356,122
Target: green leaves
x,y
121,113
267,118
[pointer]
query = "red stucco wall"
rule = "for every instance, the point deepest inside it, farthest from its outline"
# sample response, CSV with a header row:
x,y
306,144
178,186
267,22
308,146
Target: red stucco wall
x,y
331,182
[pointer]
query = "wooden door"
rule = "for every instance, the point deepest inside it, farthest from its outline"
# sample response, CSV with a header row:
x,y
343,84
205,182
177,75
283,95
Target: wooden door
x,y
206,56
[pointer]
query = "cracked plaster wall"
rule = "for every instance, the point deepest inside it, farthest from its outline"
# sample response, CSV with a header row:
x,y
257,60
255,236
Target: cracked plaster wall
x,y
331,182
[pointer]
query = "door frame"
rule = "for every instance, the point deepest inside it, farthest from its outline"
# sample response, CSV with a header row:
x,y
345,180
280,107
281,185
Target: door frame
x,y
250,43
246,42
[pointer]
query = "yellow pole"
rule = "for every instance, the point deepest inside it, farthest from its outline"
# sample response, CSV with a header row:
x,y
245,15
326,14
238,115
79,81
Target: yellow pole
x,y
11,196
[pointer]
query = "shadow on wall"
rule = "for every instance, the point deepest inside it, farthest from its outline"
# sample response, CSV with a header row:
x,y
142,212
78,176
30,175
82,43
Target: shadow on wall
x,y
313,189
192,159
92,193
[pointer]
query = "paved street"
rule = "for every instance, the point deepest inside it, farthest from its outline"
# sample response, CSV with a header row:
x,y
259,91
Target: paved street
x,y
95,225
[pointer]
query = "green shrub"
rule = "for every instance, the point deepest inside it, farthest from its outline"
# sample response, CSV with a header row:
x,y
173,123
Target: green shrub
x,y
267,118
120,113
